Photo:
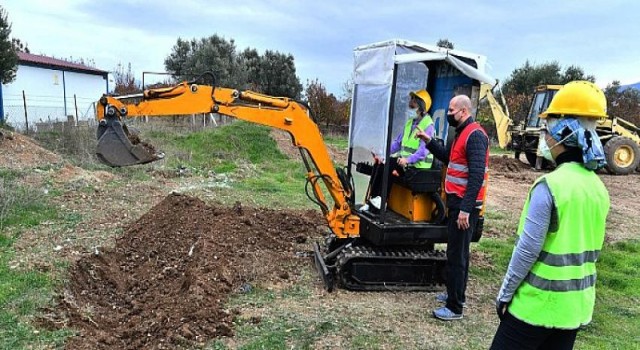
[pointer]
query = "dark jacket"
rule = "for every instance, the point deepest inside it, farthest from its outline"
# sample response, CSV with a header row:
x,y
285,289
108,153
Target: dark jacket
x,y
477,148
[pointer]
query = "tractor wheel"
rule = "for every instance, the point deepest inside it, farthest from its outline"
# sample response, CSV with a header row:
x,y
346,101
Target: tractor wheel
x,y
622,155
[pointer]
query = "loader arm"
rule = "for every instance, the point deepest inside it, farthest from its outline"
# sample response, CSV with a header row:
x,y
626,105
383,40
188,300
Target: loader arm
x,y
500,115
276,112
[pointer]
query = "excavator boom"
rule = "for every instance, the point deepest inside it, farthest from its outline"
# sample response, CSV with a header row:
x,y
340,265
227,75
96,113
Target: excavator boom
x,y
500,115
118,147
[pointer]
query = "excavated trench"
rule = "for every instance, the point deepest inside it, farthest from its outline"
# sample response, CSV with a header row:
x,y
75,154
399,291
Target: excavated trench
x,y
165,283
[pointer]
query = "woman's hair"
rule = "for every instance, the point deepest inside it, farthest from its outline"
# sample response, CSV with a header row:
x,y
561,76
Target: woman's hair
x,y
421,105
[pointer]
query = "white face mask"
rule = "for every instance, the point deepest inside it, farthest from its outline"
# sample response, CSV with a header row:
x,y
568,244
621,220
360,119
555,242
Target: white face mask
x,y
412,112
543,148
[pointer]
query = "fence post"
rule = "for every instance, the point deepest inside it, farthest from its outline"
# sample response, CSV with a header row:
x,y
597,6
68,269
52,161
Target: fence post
x,y
1,106
75,102
26,118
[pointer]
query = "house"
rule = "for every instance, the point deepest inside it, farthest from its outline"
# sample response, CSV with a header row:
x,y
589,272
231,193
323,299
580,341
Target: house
x,y
50,89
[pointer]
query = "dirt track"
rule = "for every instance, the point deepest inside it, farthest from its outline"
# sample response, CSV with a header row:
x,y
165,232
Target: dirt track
x,y
510,180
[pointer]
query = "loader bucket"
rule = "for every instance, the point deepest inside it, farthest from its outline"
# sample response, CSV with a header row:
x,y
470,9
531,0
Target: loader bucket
x,y
118,147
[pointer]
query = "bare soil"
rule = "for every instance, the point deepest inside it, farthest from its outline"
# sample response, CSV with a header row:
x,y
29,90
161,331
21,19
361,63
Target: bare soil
x,y
21,152
135,140
165,282
510,180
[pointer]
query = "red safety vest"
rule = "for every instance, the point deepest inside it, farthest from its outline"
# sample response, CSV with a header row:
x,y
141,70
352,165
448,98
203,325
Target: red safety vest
x,y
458,168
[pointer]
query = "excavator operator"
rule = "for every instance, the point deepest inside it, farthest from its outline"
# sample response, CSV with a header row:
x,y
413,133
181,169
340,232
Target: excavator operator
x,y
408,153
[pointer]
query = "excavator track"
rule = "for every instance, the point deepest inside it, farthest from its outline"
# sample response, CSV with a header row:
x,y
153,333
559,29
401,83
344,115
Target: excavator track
x,y
398,269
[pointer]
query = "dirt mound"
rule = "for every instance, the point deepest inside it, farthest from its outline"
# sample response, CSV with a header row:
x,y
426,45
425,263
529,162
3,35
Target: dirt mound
x,y
507,164
21,152
164,284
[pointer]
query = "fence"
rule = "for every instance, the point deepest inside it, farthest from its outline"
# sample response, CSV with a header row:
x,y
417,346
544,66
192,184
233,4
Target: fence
x,y
26,112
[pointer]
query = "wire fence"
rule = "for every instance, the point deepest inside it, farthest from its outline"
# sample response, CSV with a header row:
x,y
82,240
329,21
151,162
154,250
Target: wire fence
x,y
26,112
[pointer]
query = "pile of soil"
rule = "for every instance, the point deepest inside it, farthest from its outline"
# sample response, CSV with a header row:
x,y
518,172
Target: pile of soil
x,y
165,282
135,140
21,152
507,164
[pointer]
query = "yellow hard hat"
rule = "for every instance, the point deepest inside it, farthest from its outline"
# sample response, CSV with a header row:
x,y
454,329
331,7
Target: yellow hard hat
x,y
424,96
578,98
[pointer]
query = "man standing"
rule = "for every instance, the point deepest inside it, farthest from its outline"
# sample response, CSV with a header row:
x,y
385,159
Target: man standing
x,y
548,292
465,184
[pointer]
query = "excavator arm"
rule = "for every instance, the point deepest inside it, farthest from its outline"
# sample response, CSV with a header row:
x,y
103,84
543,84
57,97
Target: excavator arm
x,y
117,147
500,115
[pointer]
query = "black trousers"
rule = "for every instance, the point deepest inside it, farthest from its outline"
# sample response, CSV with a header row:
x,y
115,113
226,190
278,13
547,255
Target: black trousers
x,y
378,174
458,242
515,334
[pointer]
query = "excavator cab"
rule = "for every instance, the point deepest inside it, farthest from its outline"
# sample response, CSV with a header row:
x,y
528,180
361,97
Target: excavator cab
x,y
395,250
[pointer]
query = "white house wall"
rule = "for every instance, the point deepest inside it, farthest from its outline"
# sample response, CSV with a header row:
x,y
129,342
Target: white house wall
x,y
44,89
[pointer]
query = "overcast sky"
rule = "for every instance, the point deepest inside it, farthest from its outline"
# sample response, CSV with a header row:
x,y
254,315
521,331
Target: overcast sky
x,y
602,37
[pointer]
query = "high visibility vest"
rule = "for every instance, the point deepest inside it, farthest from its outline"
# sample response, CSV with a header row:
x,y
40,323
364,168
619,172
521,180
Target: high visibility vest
x,y
559,291
458,168
410,143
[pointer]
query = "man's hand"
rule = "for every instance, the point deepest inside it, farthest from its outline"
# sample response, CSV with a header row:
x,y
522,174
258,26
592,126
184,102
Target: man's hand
x,y
501,309
463,220
423,135
402,162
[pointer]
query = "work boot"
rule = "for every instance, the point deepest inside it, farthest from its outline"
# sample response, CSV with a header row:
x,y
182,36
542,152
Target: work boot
x,y
445,314
442,297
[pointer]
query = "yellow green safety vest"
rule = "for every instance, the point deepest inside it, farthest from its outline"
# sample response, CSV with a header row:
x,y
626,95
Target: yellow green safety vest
x,y
410,143
559,291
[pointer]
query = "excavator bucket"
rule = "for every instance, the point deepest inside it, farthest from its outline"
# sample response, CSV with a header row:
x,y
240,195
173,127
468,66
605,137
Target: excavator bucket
x,y
118,147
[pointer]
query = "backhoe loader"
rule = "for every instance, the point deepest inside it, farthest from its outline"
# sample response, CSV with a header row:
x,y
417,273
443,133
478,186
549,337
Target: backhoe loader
x,y
620,138
392,248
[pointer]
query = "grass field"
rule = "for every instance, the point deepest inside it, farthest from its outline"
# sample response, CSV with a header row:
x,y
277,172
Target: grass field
x,y
302,315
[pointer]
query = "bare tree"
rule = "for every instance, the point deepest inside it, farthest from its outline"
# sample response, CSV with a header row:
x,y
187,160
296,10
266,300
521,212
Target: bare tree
x,y
445,43
125,82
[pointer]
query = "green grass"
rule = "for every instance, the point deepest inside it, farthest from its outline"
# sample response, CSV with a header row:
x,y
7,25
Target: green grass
x,y
495,150
284,328
218,149
22,293
338,141
616,318
22,206
261,174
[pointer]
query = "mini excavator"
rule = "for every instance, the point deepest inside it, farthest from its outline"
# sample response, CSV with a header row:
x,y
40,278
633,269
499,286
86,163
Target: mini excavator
x,y
392,248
